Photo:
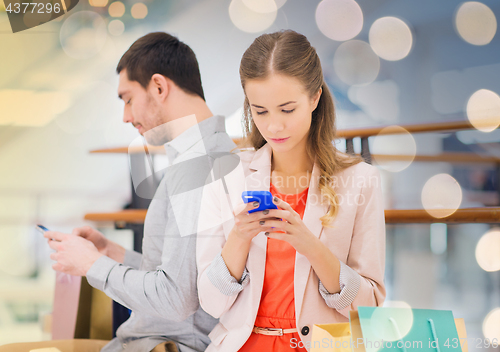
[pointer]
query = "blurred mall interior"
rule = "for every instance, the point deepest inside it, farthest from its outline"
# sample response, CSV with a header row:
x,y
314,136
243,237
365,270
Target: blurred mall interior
x,y
387,62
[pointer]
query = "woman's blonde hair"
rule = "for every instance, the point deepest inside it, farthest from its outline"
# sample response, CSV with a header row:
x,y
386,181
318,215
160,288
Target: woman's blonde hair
x,y
290,53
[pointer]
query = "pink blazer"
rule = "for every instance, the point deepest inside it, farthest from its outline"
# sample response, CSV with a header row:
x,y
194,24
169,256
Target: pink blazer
x,y
357,238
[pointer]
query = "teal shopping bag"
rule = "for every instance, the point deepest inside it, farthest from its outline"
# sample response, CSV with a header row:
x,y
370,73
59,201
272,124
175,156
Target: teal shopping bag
x,y
406,330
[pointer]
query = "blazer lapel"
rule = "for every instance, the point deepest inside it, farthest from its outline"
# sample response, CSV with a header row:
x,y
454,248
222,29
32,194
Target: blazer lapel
x,y
314,210
259,179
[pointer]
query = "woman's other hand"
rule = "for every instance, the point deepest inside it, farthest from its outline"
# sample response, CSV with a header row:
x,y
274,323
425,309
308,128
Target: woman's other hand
x,y
290,229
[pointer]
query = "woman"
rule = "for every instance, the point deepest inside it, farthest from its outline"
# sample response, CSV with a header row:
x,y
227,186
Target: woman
x,y
270,275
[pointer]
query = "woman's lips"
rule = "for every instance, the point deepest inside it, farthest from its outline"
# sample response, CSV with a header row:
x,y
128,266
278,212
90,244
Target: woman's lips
x,y
279,140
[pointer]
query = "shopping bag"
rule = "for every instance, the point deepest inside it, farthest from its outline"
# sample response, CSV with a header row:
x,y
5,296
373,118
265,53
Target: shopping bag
x,y
67,295
79,311
462,333
383,328
331,337
405,329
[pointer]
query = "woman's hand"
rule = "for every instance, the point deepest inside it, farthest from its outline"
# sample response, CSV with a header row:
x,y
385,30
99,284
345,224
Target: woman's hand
x,y
235,251
296,232
248,225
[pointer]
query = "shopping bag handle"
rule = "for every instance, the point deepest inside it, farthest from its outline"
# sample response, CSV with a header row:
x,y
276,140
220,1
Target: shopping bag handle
x,y
400,337
434,335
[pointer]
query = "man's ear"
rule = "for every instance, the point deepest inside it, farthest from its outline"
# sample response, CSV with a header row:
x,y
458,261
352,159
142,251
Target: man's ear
x,y
159,86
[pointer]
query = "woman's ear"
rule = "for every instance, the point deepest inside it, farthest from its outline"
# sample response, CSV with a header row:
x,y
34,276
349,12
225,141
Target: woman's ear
x,y
159,87
315,99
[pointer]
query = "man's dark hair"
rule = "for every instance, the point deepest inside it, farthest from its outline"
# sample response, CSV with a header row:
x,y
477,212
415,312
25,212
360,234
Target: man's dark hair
x,y
162,53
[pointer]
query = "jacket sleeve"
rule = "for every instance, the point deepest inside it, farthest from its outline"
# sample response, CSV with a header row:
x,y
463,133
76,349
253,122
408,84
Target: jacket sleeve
x,y
349,282
217,289
362,276
168,292
132,259
168,288
220,277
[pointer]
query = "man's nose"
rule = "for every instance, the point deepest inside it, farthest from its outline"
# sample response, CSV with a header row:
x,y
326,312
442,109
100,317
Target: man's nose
x,y
127,116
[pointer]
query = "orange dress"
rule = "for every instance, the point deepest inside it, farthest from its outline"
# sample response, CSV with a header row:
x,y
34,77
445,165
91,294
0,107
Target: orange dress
x,y
277,303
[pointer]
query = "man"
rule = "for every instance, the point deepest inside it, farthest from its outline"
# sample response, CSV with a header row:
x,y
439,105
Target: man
x,y
161,86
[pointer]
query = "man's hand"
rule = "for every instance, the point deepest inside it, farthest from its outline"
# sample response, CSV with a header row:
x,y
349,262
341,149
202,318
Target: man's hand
x,y
94,236
103,245
74,255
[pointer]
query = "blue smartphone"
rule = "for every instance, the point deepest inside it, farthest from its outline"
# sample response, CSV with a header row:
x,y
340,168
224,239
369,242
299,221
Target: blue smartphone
x,y
265,199
42,228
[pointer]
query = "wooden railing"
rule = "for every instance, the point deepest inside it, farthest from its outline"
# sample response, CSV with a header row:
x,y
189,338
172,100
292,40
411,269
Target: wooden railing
x,y
133,216
364,134
392,216
451,157
130,150
446,126
460,216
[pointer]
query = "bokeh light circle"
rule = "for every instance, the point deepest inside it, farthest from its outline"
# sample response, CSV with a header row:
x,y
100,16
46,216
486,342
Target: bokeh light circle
x,y
355,63
250,21
261,6
116,27
98,3
491,325
475,23
339,19
280,3
483,110
390,38
391,324
116,9
139,11
83,34
17,259
488,250
396,304
441,196
399,143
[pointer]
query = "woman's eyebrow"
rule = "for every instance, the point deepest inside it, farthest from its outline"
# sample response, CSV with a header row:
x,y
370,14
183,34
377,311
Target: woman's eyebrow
x,y
289,102
261,107
258,106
